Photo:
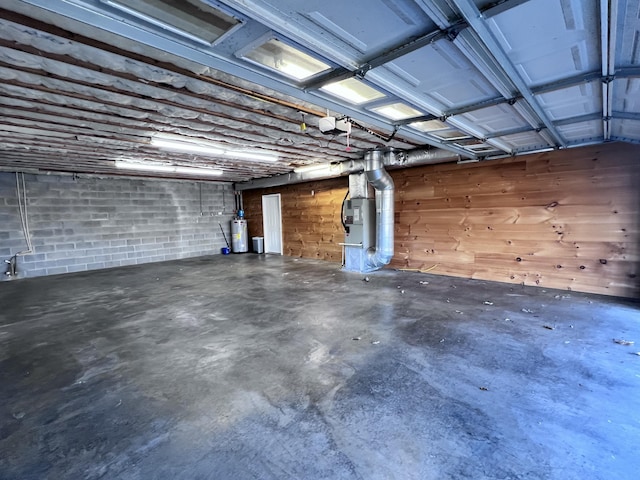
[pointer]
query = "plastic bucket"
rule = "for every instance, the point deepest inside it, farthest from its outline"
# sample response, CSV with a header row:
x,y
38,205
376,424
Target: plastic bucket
x,y
225,251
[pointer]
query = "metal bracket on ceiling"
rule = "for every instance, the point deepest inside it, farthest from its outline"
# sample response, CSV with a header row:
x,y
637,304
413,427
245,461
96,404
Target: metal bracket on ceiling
x,y
512,101
423,118
608,79
452,32
362,71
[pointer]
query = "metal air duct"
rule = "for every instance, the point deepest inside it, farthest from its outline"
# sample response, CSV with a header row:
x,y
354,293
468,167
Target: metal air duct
x,y
381,181
323,172
422,157
393,158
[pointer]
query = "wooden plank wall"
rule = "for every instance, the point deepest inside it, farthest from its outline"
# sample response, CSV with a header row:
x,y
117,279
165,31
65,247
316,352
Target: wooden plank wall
x,y
311,225
568,219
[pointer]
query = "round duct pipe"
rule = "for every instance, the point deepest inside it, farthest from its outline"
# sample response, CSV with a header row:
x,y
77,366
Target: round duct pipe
x,y
382,183
390,158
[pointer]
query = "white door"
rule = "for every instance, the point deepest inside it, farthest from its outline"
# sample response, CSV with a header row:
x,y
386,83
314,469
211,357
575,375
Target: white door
x,y
272,223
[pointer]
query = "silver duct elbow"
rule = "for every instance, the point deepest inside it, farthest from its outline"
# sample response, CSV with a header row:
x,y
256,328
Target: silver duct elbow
x,y
377,176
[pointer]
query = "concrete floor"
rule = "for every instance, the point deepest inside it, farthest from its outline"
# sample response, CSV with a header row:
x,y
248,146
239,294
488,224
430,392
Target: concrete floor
x,y
254,367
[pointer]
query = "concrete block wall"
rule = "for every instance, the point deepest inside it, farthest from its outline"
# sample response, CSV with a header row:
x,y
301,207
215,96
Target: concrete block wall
x,y
82,223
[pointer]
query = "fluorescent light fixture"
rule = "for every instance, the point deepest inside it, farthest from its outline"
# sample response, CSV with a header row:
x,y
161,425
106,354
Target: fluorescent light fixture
x,y
311,168
186,146
397,111
191,19
161,168
353,91
282,58
251,155
211,149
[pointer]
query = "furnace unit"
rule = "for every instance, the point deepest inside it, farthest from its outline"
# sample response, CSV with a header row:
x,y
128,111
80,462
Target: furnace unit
x,y
360,223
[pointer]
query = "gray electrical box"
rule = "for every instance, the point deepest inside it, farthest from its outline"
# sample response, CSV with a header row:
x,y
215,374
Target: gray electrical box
x,y
360,220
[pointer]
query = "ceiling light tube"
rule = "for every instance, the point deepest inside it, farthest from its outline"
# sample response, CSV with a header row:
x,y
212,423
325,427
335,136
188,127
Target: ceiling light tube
x,y
186,146
159,168
212,149
246,155
311,168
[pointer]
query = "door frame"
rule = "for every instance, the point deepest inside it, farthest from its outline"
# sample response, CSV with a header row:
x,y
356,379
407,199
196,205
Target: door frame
x,y
266,229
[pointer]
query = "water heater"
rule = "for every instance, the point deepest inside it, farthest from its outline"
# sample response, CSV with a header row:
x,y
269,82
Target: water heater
x,y
239,236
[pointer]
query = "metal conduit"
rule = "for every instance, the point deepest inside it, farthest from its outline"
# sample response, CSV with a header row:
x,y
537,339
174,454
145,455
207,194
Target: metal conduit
x,y
381,181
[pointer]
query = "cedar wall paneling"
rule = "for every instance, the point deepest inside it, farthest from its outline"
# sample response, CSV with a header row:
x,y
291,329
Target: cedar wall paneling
x,y
568,219
311,226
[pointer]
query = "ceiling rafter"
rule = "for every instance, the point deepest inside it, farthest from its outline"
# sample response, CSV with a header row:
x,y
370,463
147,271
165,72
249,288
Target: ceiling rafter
x,y
126,114
169,98
107,74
